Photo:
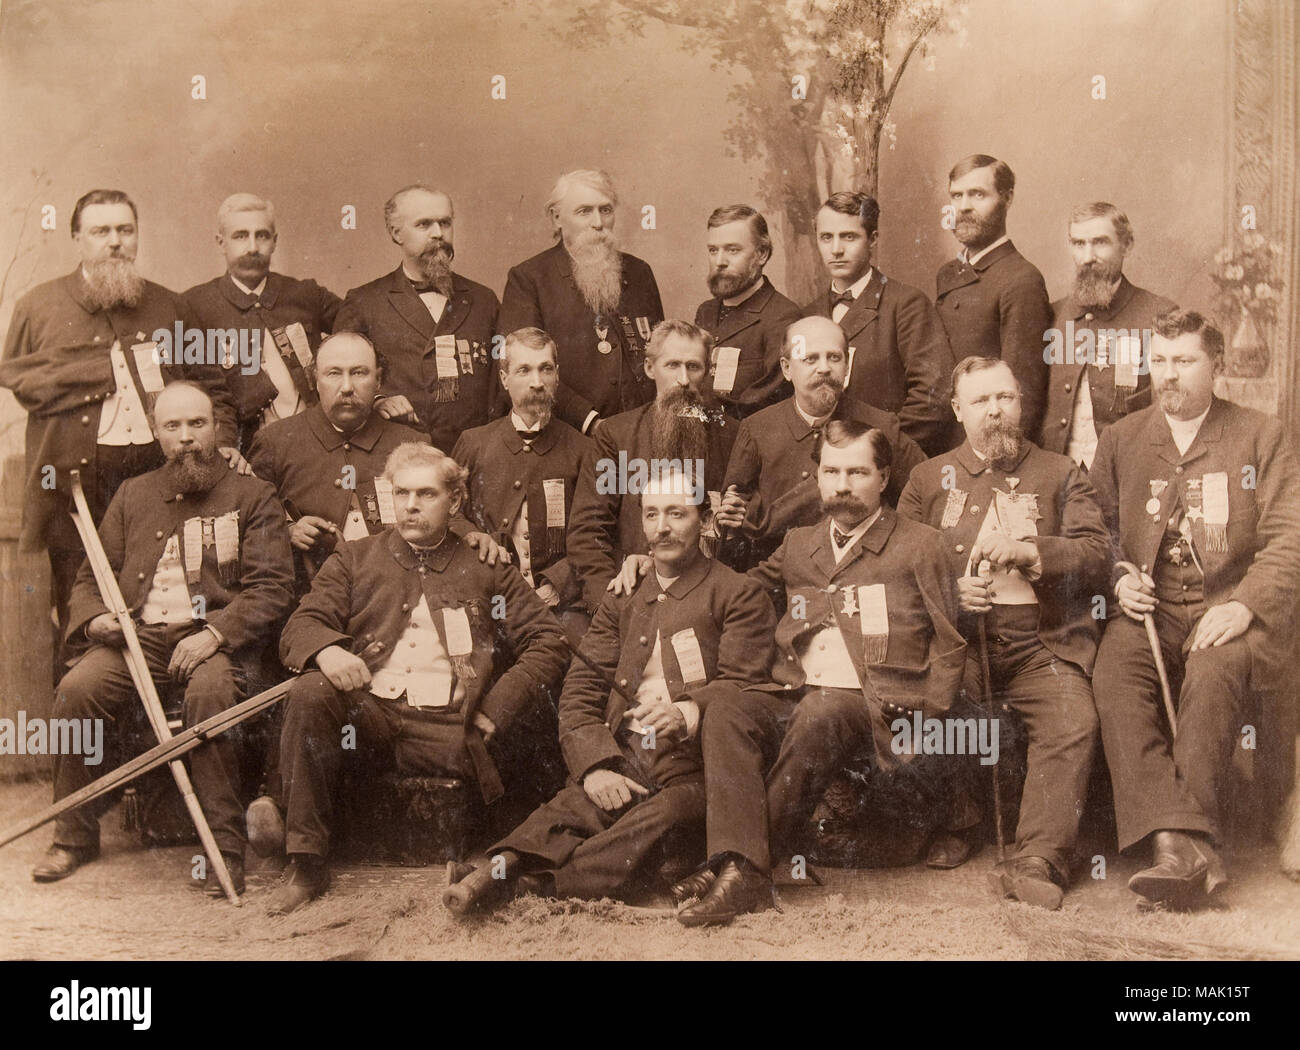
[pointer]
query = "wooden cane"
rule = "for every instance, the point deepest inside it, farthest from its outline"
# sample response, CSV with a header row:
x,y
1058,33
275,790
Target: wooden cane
x,y
143,679
987,682
1153,640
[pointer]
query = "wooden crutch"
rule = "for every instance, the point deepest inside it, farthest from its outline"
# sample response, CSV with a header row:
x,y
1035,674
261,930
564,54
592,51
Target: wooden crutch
x,y
139,668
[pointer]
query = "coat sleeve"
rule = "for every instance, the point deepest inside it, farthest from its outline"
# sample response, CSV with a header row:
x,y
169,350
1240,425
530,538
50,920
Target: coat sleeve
x,y
1105,489
910,503
321,619
266,577
1079,552
537,646
1025,313
594,526
907,457
327,307
946,663
745,649
585,737
1270,584
86,602
770,576
927,363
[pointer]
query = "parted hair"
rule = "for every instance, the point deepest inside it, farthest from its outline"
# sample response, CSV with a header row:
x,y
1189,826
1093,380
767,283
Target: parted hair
x,y
238,202
451,475
863,205
757,224
841,432
1004,179
1173,323
100,197
534,339
684,329
1105,210
976,363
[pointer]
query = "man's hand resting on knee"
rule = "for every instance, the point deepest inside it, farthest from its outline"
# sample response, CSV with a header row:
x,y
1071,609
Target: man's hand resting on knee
x,y
344,670
610,790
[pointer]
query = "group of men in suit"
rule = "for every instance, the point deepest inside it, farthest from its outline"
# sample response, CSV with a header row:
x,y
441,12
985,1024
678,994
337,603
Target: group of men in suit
x,y
446,504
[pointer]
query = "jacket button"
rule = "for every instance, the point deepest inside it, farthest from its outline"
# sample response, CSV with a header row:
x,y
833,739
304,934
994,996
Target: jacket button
x,y
1178,470
975,508
518,484
338,483
85,462
622,681
1065,422
87,397
505,523
1067,388
662,598
645,640
803,474
158,535
347,447
960,548
85,421
370,637
406,607
139,576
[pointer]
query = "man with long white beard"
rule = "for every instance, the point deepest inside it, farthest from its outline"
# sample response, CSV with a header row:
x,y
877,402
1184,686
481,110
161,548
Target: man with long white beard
x,y
681,427
201,553
599,304
80,358
1103,327
433,326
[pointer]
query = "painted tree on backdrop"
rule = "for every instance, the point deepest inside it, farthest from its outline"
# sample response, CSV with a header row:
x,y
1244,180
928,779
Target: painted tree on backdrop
x,y
814,81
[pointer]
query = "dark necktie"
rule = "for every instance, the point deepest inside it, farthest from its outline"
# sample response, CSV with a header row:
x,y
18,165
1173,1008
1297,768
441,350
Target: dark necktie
x,y
845,297
420,289
840,538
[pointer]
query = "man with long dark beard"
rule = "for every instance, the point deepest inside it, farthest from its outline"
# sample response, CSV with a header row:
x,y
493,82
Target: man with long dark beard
x,y
681,426
1033,518
202,557
433,326
599,304
1102,329
80,358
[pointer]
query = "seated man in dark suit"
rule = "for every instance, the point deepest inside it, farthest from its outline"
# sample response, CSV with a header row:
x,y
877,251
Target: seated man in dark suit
x,y
694,631
428,655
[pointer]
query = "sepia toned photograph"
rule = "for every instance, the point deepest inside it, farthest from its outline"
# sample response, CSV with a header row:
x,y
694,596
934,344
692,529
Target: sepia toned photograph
x,y
630,480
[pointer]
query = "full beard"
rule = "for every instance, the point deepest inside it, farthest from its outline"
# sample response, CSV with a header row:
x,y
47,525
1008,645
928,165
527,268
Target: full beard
x,y
975,232
435,266
112,283
597,271
1094,284
679,425
726,284
1172,399
194,471
1000,441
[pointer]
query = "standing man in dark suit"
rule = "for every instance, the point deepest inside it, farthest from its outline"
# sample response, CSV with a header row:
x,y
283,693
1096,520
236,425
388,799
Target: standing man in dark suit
x,y
1097,369
869,634
1203,497
747,317
692,632
433,326
899,358
443,666
772,465
82,358
599,304
992,300
681,425
524,470
1032,517
291,316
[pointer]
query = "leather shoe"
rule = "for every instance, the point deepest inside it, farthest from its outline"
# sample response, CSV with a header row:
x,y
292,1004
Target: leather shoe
x,y
696,885
1029,879
1178,872
235,865
265,826
951,849
303,880
738,888
61,861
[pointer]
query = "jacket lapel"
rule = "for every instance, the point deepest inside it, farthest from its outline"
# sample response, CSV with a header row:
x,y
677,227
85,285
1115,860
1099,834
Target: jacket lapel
x,y
865,308
404,299
457,308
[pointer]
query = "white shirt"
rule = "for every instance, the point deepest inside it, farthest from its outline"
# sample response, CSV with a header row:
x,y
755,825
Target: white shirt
x,y
1185,430
654,686
168,600
435,302
1082,446
857,288
973,259
1006,586
418,665
122,419
261,286
812,421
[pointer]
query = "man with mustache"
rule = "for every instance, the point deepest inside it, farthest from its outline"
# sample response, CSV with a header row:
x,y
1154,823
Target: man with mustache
x,y
80,358
443,666
523,473
772,465
898,355
992,300
433,326
747,317
1101,374
1026,541
202,557
868,633
683,425
1203,496
599,304
694,631
288,316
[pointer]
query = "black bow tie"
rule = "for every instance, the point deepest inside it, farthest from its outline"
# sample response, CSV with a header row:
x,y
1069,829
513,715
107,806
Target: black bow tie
x,y
840,538
845,297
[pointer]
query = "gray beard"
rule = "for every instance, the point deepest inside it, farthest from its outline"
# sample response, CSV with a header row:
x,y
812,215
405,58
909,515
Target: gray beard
x,y
112,282
597,267
435,267
1093,286
197,471
1000,443
823,398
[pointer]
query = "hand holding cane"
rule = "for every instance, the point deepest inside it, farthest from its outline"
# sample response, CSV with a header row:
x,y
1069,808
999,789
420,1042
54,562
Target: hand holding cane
x,y
1153,640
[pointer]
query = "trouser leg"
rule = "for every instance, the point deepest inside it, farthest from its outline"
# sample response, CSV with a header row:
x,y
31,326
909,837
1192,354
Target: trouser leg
x,y
214,687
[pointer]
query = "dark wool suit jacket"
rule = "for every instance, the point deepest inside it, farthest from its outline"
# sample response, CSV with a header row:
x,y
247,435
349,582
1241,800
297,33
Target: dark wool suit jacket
x,y
606,526
390,313
756,328
541,293
732,620
504,472
901,359
1072,539
772,466
999,308
145,514
925,657
1261,566
56,361
218,303
1132,307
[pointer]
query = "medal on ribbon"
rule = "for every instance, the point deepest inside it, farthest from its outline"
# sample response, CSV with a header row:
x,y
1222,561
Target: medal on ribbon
x,y
953,509
1158,486
446,387
225,531
1214,491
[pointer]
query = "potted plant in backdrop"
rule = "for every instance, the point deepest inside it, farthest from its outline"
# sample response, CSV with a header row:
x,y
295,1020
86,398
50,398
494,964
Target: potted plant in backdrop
x,y
1248,291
